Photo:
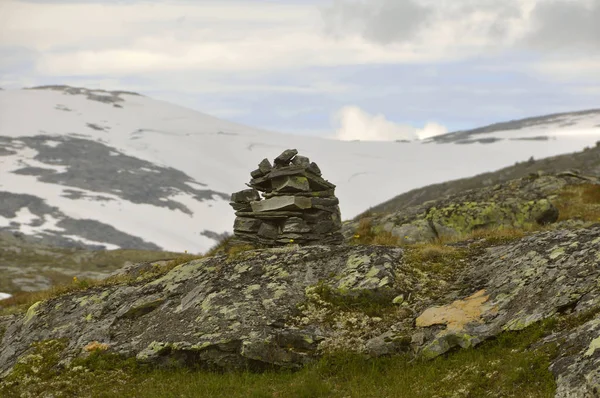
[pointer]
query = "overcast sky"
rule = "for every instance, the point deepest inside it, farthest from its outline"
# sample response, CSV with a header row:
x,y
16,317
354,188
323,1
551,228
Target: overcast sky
x,y
375,69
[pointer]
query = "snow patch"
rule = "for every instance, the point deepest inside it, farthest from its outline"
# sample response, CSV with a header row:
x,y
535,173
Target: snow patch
x,y
149,170
24,216
195,185
366,173
4,296
52,144
108,246
25,158
4,222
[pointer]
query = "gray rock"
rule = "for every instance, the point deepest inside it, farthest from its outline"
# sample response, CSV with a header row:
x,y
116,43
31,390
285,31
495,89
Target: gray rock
x,y
279,203
290,184
246,224
313,168
265,166
214,312
241,206
296,224
245,196
301,161
269,231
285,157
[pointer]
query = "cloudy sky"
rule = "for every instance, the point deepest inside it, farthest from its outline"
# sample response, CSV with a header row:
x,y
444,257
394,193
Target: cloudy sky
x,y
373,69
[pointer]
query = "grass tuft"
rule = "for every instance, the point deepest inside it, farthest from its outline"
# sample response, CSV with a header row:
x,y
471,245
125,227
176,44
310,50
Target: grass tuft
x,y
579,202
366,234
505,367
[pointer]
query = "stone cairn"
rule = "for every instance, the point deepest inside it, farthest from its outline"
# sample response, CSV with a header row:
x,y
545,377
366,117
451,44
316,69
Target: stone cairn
x,y
299,206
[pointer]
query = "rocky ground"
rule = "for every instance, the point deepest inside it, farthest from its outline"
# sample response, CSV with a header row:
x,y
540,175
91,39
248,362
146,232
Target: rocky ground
x,y
29,266
454,275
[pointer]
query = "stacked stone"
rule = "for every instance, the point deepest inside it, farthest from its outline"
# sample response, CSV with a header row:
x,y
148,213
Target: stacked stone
x,y
299,206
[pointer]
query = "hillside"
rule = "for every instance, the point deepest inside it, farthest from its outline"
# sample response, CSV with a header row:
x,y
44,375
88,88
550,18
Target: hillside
x,y
538,128
586,162
500,299
117,170
27,266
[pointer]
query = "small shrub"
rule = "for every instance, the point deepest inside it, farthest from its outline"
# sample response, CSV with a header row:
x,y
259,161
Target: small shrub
x,y
434,257
96,346
385,239
579,202
496,235
235,251
185,258
366,234
221,247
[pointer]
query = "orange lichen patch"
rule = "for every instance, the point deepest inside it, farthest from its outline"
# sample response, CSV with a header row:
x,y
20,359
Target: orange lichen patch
x,y
456,315
96,346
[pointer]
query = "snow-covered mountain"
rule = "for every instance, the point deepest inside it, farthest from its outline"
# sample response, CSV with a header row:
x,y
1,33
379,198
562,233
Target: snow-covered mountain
x,y
117,169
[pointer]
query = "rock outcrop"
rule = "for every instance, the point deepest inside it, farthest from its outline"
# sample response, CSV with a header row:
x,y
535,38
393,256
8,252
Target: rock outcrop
x,y
299,206
587,162
216,312
276,307
517,204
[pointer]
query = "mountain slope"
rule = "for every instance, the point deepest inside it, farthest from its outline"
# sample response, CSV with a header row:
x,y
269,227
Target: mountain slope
x,y
120,170
539,128
523,303
586,162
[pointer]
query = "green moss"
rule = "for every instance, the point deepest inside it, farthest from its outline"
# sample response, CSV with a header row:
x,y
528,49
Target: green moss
x,y
504,367
556,253
35,368
469,216
371,303
31,312
441,260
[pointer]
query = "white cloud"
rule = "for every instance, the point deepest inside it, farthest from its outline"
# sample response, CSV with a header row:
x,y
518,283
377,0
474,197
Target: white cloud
x,y
116,39
353,123
146,37
206,46
431,129
124,38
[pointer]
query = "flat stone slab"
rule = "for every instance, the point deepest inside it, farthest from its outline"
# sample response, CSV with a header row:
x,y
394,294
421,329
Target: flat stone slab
x,y
291,184
246,224
271,215
327,194
316,183
245,196
279,203
285,157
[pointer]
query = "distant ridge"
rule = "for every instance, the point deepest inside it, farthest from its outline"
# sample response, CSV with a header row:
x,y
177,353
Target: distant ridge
x,y
516,124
